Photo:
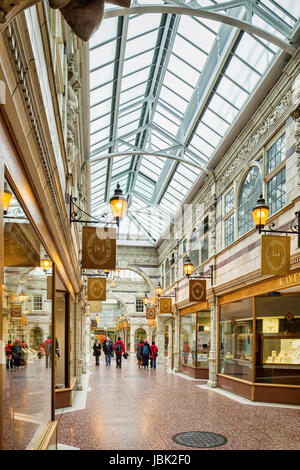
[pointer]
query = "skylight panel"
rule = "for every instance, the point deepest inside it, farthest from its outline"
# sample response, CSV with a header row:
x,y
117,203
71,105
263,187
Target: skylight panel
x,y
254,53
107,31
223,108
132,92
189,52
134,79
101,93
175,100
178,85
165,123
232,92
291,7
187,172
128,128
101,76
101,108
142,23
257,21
102,54
242,74
208,134
136,62
183,70
196,33
99,137
140,43
214,122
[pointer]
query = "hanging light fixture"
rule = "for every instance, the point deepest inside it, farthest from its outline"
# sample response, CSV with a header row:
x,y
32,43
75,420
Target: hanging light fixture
x,y
46,263
260,213
22,295
118,204
146,299
7,195
113,283
106,272
188,267
159,289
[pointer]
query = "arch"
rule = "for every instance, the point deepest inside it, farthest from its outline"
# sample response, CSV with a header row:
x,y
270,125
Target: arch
x,y
114,297
141,273
203,13
142,153
36,337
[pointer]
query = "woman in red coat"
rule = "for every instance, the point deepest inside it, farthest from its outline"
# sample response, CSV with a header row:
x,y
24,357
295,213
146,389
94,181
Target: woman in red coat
x,y
153,355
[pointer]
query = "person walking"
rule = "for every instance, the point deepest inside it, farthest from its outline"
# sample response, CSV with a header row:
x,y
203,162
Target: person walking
x,y
119,348
139,354
97,351
145,354
153,355
108,350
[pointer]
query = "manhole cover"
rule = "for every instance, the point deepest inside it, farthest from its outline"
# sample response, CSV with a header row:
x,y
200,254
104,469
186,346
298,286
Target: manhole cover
x,y
199,439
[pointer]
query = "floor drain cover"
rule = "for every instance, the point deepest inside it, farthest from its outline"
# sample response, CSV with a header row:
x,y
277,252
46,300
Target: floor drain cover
x,y
199,439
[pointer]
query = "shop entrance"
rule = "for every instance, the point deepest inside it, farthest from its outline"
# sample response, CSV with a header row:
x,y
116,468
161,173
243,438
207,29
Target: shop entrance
x,y
139,335
36,338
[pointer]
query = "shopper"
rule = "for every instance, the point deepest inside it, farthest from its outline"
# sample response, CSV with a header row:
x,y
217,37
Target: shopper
x,y
17,354
139,354
97,351
145,354
119,349
47,346
108,350
8,354
153,355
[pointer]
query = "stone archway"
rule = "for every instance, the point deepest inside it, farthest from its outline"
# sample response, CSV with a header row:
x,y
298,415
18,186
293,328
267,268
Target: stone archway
x,y
140,334
36,337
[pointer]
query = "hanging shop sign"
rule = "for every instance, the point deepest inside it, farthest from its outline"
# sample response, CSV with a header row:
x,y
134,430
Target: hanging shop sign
x,y
99,248
275,254
21,246
95,306
93,323
15,310
96,288
197,290
165,305
150,313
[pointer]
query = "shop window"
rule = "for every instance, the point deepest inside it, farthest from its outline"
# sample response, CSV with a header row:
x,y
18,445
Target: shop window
x,y
204,250
276,153
139,306
26,336
195,337
236,332
250,192
228,202
276,190
278,339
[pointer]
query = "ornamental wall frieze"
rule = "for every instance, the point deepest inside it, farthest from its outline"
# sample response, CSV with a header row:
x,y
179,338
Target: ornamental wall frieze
x,y
236,162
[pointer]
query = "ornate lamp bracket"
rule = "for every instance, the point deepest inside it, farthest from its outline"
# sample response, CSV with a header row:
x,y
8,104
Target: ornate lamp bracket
x,y
201,275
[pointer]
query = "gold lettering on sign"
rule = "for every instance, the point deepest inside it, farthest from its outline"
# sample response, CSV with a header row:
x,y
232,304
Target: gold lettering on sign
x,y
98,248
150,313
275,254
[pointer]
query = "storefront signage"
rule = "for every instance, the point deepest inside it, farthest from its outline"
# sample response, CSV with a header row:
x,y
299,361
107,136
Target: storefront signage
x,y
197,290
96,288
165,305
95,306
15,310
150,313
270,325
98,248
275,254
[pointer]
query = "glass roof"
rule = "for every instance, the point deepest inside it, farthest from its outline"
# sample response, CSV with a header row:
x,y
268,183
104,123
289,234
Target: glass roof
x,y
172,85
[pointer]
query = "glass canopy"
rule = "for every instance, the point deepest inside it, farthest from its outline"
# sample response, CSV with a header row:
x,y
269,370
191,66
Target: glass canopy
x,y
171,85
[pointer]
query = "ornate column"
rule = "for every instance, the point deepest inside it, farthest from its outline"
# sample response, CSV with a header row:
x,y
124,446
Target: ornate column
x,y
170,344
296,116
176,340
212,381
160,340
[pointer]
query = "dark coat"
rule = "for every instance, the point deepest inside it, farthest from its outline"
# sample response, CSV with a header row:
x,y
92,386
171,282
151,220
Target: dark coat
x,y
148,350
108,347
97,349
139,351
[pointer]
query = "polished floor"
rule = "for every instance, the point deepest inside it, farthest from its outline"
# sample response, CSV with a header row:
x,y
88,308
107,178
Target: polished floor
x,y
135,409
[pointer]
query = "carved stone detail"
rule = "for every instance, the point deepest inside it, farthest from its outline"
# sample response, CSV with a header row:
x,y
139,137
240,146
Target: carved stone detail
x,y
72,113
239,160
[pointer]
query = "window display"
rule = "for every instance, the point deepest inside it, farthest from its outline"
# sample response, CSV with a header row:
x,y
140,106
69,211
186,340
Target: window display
x,y
236,334
278,339
195,339
26,331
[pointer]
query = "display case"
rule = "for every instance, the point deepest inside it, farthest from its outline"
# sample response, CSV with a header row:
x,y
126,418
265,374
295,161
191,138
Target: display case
x,y
280,349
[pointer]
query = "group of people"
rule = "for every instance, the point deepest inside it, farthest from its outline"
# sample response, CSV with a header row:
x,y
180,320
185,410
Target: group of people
x,y
146,352
109,349
16,354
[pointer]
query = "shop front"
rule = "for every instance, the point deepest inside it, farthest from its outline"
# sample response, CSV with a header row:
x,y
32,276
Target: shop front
x,y
195,339
36,315
259,341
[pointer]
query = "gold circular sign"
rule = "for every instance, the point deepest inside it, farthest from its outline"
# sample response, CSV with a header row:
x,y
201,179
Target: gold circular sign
x,y
276,255
96,289
98,250
197,290
151,313
165,305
